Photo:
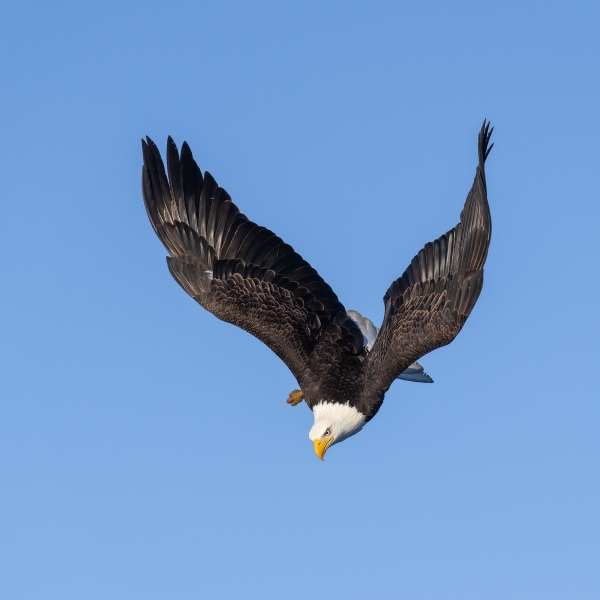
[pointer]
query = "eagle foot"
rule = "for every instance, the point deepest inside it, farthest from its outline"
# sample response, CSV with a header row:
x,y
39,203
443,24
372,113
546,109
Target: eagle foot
x,y
295,397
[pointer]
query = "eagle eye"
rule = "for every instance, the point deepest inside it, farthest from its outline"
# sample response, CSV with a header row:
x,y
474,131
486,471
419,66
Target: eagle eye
x,y
327,432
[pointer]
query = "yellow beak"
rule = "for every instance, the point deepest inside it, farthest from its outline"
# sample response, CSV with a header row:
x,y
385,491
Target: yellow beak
x,y
321,447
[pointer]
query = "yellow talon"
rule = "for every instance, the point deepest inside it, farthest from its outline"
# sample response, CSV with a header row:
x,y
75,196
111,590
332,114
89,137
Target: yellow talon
x,y
295,397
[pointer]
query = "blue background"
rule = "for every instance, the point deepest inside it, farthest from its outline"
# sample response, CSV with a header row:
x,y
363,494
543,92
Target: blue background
x,y
146,449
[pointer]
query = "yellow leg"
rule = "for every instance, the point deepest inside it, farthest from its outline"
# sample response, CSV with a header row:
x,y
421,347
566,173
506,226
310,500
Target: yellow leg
x,y
295,397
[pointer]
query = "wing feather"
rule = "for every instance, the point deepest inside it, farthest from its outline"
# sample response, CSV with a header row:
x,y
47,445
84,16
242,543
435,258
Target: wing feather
x,y
240,271
428,305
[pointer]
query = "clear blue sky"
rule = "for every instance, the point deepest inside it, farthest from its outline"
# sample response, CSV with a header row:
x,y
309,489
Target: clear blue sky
x,y
146,449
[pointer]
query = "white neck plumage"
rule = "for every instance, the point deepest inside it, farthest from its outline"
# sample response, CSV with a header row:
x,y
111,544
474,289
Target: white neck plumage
x,y
345,420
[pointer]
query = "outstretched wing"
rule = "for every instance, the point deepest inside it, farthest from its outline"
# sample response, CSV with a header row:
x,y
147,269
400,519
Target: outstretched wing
x,y
429,304
239,271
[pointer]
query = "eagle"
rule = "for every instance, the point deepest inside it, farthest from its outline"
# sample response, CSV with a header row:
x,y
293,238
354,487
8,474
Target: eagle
x,y
245,274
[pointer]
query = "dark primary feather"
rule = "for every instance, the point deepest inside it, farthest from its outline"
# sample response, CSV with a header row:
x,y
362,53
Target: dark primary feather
x,y
429,304
242,272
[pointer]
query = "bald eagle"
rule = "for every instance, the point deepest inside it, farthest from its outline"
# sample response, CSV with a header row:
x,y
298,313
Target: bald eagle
x,y
246,275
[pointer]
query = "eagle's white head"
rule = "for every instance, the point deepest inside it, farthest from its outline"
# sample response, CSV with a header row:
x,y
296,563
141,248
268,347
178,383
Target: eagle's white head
x,y
334,423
